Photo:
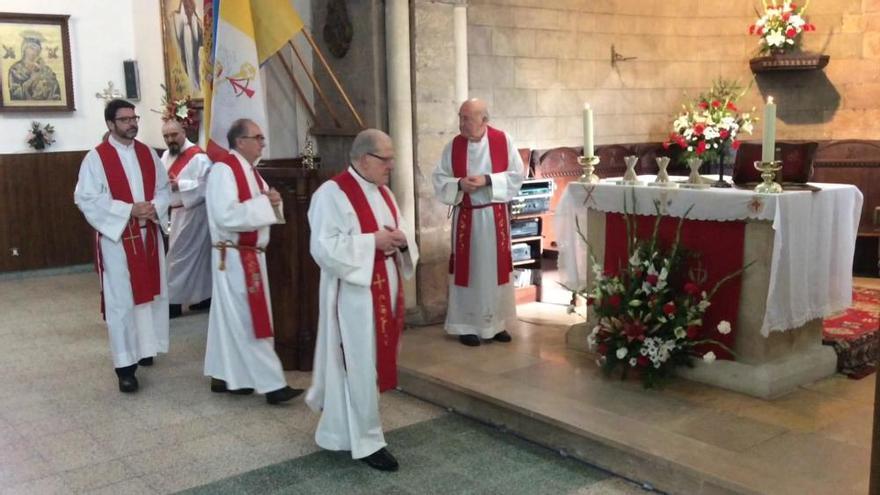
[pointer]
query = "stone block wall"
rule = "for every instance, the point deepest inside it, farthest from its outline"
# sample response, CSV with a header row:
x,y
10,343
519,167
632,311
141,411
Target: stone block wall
x,y
537,61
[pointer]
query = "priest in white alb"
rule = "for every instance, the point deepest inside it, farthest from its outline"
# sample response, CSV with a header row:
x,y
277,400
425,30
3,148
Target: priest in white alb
x,y
480,171
359,240
123,192
189,246
240,355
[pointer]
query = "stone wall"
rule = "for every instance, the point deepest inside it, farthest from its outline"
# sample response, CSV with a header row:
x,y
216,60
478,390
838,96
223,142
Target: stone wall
x,y
538,61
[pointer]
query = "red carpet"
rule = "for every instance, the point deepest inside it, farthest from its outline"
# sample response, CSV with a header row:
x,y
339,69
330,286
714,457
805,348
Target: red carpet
x,y
855,334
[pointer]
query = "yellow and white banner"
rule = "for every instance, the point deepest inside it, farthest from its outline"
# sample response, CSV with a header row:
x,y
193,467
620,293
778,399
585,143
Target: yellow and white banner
x,y
248,32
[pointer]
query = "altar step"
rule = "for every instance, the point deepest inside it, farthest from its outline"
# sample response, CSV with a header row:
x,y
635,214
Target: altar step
x,y
539,390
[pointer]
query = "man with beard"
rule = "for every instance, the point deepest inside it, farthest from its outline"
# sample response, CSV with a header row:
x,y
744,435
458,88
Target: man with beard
x,y
123,192
189,249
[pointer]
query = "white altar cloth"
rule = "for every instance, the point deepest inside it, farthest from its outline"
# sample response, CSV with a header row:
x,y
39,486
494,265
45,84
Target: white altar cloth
x,y
813,244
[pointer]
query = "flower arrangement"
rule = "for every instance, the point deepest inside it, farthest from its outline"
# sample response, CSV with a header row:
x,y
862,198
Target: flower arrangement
x,y
181,110
40,136
706,126
780,27
649,317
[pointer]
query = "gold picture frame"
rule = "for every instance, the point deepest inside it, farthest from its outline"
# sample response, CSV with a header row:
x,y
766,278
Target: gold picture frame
x,y
183,42
35,67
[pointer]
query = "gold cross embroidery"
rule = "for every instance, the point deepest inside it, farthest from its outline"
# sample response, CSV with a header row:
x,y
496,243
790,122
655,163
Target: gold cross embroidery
x,y
378,280
131,237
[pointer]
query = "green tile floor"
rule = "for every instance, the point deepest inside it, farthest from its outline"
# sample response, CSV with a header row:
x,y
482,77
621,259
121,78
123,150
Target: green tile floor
x,y
446,455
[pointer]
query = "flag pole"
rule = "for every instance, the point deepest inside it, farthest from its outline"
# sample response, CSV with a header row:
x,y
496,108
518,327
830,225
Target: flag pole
x,y
315,84
351,108
296,85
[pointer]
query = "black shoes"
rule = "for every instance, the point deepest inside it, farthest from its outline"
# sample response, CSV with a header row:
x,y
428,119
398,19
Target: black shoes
x,y
128,384
219,387
206,304
147,361
502,336
469,340
174,310
381,460
282,395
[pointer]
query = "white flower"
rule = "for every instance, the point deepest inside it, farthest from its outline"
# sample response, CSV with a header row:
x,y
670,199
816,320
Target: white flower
x,y
680,333
775,38
709,357
633,362
711,133
621,353
724,327
634,260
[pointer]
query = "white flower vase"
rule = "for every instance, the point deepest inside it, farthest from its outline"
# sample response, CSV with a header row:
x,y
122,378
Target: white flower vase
x,y
630,176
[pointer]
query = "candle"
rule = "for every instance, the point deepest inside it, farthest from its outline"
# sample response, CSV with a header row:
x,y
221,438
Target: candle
x,y
768,143
588,130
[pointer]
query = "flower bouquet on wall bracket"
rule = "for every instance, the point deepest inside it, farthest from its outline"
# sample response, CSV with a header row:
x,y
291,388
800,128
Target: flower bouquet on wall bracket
x,y
780,27
182,110
648,314
711,124
40,137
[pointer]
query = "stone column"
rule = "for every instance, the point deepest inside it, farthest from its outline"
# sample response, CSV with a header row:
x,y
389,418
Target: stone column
x,y
400,116
461,52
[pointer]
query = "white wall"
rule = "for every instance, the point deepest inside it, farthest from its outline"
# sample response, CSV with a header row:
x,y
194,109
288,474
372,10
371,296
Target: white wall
x,y
103,33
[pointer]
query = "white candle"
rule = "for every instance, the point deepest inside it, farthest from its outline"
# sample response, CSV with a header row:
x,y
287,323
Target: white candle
x,y
768,143
588,130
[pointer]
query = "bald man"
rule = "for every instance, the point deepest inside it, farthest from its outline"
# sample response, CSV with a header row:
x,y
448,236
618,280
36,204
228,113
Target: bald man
x,y
189,247
359,241
480,171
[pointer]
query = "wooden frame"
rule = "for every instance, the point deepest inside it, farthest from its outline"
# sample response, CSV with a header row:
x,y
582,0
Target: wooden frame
x,y
44,82
183,75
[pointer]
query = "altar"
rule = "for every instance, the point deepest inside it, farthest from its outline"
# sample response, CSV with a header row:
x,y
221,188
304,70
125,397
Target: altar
x,y
800,244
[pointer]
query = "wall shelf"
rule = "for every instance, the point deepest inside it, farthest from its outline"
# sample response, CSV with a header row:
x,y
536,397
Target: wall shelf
x,y
789,62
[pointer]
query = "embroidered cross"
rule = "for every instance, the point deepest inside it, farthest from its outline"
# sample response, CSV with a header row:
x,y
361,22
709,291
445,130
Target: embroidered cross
x,y
756,205
378,280
131,237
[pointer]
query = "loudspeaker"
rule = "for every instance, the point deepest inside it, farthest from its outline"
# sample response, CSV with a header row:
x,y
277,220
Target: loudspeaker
x,y
132,80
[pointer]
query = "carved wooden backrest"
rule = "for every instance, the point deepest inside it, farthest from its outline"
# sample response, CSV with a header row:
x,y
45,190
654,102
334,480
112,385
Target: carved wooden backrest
x,y
797,161
856,162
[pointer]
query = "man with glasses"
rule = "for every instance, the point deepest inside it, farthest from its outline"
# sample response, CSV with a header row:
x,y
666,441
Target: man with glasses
x,y
123,192
480,171
359,241
240,355
189,246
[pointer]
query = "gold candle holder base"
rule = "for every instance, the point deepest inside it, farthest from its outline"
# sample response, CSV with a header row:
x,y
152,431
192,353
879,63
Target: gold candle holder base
x,y
768,173
589,165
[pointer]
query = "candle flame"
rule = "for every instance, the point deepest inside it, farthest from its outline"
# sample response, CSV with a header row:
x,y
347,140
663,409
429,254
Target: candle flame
x,y
769,100
586,106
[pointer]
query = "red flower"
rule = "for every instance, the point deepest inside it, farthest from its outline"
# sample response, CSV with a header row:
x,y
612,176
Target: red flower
x,y
634,330
786,16
699,128
666,145
724,133
691,288
703,105
716,103
752,29
602,348
682,142
669,308
701,147
791,32
693,332
793,7
731,107
590,300
643,361
809,27
652,279
760,31
614,301
735,144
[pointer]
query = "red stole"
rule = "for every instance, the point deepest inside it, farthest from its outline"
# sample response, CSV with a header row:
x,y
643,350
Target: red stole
x,y
142,256
459,261
389,325
182,160
247,251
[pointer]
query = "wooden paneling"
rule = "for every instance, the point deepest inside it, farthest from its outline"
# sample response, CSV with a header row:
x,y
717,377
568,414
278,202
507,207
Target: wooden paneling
x,y
39,217
293,275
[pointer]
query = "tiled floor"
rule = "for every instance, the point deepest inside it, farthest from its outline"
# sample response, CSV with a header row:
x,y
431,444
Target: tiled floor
x,y
818,436
65,428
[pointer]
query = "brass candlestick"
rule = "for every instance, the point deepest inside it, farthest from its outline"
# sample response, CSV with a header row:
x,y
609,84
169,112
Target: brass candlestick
x,y
768,173
589,165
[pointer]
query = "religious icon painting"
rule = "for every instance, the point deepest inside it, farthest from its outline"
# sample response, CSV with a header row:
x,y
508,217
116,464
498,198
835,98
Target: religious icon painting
x,y
184,40
35,72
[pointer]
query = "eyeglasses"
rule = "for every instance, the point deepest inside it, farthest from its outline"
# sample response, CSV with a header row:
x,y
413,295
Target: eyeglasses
x,y
128,120
385,159
258,137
